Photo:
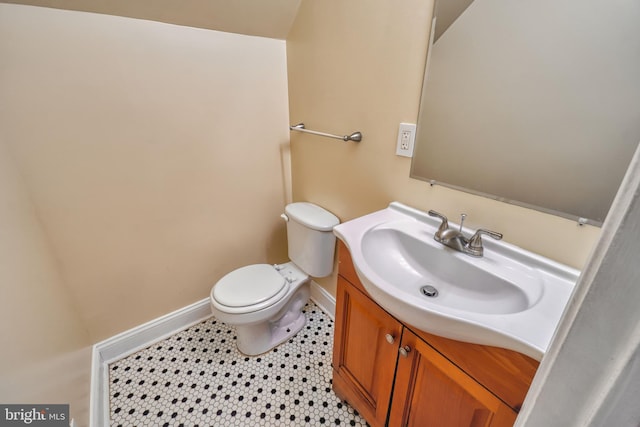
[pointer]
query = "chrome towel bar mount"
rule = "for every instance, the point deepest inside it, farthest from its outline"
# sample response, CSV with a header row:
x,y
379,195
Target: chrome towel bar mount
x,y
356,136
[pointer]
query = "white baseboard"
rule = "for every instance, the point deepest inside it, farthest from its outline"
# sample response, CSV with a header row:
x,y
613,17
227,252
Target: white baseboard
x,y
143,336
323,299
99,394
129,342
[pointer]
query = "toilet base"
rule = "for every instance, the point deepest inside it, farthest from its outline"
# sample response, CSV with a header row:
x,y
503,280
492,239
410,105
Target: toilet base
x,y
257,338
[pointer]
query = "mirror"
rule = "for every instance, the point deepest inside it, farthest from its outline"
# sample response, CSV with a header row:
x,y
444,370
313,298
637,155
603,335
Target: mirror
x,y
533,102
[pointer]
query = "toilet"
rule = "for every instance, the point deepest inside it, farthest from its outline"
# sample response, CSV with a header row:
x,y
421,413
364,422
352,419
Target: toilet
x,y
264,302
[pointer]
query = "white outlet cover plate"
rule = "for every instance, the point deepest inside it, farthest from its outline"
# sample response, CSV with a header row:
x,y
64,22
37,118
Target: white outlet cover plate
x,y
406,139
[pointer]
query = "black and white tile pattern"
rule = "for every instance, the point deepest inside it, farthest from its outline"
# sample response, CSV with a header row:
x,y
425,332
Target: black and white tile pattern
x,y
198,378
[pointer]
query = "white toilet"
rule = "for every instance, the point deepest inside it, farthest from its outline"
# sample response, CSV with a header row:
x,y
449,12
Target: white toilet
x,y
264,302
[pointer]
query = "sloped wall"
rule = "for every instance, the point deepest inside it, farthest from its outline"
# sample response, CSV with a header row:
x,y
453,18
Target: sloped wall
x,y
155,155
45,355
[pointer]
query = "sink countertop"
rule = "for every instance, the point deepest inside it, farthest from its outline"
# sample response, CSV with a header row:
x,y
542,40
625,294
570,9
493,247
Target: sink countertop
x,y
544,285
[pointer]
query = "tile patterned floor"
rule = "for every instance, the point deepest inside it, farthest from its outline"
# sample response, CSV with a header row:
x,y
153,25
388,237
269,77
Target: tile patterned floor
x,y
198,378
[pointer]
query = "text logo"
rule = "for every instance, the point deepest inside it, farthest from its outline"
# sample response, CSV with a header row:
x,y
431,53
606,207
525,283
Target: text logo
x,y
34,415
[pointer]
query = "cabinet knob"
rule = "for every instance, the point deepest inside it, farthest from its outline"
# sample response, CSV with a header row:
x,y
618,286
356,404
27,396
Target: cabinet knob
x,y
390,338
404,351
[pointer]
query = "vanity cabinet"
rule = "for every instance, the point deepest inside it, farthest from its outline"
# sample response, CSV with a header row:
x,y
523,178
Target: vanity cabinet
x,y
396,375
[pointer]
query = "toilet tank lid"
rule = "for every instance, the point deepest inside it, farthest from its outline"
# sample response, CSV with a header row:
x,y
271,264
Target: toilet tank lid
x,y
312,216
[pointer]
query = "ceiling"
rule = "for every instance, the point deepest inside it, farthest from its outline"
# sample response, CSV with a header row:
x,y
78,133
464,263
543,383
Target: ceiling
x,y
265,18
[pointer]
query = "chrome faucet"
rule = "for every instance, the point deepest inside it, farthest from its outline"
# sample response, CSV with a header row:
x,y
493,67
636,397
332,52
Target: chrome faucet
x,y
455,239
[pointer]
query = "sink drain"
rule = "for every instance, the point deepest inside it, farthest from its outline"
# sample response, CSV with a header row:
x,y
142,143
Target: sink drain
x,y
429,291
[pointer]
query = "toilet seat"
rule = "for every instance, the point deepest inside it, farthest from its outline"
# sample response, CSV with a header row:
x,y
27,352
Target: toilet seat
x,y
250,288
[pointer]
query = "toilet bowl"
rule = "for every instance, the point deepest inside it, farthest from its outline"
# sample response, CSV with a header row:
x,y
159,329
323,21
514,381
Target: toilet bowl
x,y
264,302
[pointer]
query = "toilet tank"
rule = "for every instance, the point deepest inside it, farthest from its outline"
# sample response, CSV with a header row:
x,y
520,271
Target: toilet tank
x,y
310,235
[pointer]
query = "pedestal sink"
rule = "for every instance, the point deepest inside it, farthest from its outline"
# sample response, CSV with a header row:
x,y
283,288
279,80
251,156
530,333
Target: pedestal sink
x,y
509,298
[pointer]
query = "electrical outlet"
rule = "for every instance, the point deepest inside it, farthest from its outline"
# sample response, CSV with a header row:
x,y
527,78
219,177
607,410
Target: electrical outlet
x,y
406,139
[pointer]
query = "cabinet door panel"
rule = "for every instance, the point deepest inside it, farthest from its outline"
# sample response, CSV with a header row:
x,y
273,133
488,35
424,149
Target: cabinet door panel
x,y
363,359
432,392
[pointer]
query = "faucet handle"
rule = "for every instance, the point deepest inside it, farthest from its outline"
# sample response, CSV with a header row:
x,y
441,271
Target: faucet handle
x,y
444,226
437,215
474,246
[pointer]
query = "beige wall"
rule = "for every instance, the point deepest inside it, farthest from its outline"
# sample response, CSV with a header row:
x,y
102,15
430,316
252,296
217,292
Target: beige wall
x,y
358,65
271,18
155,154
45,356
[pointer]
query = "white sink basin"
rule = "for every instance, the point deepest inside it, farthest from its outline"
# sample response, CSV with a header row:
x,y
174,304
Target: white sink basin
x,y
509,298
462,283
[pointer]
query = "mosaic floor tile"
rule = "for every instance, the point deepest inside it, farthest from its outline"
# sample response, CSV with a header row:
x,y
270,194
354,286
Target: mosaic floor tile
x,y
197,377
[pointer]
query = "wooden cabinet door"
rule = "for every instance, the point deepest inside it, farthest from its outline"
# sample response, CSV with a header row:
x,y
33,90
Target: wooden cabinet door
x,y
430,391
364,357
